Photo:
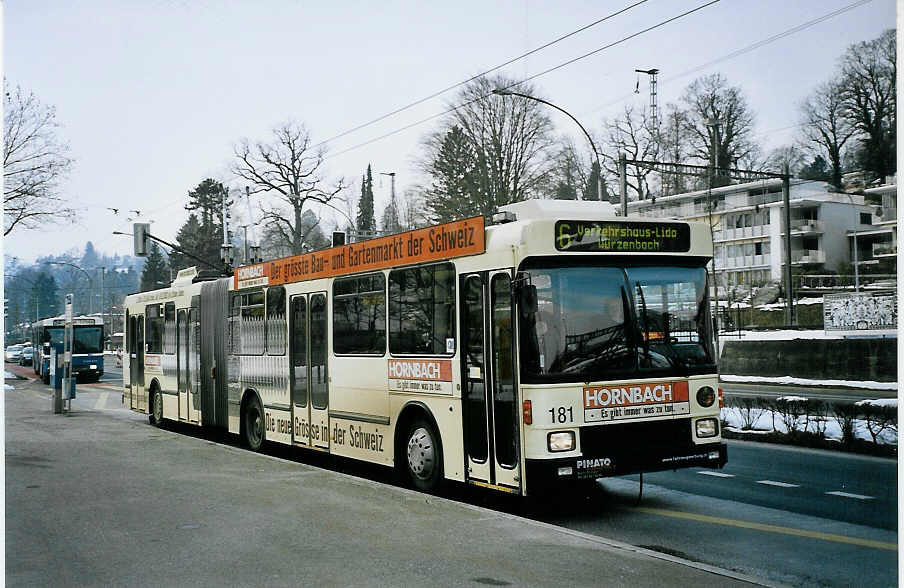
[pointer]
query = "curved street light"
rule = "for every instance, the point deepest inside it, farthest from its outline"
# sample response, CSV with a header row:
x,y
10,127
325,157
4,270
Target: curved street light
x,y
599,177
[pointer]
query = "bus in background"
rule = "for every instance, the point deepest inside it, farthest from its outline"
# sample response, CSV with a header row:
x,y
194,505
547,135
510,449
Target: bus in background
x,y
87,346
561,345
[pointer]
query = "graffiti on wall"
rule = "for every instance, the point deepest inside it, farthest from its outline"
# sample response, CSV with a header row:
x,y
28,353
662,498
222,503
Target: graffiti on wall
x,y
860,312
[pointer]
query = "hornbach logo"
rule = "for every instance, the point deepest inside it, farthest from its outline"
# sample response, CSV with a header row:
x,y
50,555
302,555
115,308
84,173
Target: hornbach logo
x,y
446,241
622,237
419,369
634,394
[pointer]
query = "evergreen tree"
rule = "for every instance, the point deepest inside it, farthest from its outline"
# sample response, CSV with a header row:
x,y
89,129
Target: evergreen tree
x,y
366,222
49,300
190,238
206,200
90,258
454,193
818,169
156,270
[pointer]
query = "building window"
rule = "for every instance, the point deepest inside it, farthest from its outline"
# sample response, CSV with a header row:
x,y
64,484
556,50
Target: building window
x,y
866,218
422,310
359,315
757,248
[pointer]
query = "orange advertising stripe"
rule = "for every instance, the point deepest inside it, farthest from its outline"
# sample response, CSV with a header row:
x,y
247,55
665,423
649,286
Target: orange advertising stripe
x,y
446,241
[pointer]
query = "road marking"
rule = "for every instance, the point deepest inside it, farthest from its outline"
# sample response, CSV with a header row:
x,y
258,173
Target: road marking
x,y
101,400
849,495
778,484
770,528
716,474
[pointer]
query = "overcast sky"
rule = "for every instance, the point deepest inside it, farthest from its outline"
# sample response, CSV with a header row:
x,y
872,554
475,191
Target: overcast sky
x,y
152,95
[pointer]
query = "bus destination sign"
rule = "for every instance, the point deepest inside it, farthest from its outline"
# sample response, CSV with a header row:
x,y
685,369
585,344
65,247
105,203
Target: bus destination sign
x,y
622,237
454,239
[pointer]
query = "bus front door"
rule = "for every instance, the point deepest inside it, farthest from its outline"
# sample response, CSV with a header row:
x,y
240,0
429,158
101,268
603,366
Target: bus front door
x,y
139,400
490,400
309,379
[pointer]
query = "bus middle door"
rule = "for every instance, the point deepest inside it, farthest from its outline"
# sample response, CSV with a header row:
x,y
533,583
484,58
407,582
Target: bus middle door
x,y
309,378
490,399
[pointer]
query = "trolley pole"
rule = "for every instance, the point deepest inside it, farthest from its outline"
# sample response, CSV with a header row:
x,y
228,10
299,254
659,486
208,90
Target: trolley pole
x,y
786,203
623,182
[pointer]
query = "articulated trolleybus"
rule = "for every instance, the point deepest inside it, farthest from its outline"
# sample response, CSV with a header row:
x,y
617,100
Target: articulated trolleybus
x,y
562,344
87,345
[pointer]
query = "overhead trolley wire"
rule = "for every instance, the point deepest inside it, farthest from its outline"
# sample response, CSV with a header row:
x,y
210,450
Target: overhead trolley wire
x,y
516,84
747,49
480,75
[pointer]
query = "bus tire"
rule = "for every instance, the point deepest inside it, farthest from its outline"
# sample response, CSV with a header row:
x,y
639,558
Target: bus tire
x,y
424,455
155,415
45,377
252,428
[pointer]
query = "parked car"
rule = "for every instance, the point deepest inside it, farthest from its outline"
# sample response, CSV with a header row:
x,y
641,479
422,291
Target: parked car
x,y
27,357
13,352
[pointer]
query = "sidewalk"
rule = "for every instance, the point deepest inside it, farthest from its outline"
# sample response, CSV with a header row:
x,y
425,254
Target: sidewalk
x,y
102,498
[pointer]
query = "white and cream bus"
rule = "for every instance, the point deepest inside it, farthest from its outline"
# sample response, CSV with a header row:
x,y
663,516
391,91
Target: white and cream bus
x,y
562,344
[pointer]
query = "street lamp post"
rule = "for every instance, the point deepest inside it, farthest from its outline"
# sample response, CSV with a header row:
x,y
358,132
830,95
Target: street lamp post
x,y
596,154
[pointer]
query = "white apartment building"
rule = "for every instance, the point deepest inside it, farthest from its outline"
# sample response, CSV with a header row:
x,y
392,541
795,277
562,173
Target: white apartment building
x,y
747,226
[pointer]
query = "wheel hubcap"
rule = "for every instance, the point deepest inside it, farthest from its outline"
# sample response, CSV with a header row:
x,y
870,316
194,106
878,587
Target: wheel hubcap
x,y
421,455
255,424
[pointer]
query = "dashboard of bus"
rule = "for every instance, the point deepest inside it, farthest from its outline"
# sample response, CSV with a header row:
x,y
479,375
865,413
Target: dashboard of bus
x,y
584,319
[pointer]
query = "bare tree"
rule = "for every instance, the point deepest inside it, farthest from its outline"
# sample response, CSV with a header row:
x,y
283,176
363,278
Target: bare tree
x,y
35,160
674,148
633,134
289,171
869,90
825,127
715,109
489,151
786,154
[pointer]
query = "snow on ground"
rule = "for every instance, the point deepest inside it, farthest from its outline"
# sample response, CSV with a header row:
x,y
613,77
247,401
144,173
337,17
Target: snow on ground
x,y
763,421
6,375
808,382
777,335
889,402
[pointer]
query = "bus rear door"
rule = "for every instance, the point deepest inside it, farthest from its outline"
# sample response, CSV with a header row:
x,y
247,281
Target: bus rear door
x,y
138,400
309,378
490,397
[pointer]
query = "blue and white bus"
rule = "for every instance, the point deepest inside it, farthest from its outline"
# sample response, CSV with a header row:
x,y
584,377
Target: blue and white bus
x,y
87,345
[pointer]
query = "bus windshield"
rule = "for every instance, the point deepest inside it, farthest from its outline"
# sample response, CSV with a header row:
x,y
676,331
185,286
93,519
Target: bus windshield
x,y
86,339
593,322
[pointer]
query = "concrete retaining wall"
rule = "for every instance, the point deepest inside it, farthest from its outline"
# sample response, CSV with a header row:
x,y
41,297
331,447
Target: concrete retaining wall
x,y
818,359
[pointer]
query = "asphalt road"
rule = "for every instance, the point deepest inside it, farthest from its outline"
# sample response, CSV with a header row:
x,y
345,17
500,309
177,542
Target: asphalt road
x,y
825,393
791,516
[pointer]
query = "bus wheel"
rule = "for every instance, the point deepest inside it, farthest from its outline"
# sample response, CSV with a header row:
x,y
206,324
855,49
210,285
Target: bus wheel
x,y
46,377
253,424
156,416
425,456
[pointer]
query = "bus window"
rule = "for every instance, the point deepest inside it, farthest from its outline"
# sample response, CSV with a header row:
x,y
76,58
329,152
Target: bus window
x,y
359,315
154,318
319,380
276,321
246,317
503,370
422,310
169,328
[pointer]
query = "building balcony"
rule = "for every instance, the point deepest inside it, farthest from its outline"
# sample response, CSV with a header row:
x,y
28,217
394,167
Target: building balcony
x,y
885,249
808,256
743,262
805,225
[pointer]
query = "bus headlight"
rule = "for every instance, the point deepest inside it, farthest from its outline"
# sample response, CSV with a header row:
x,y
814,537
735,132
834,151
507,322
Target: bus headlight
x,y
560,441
707,428
706,396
